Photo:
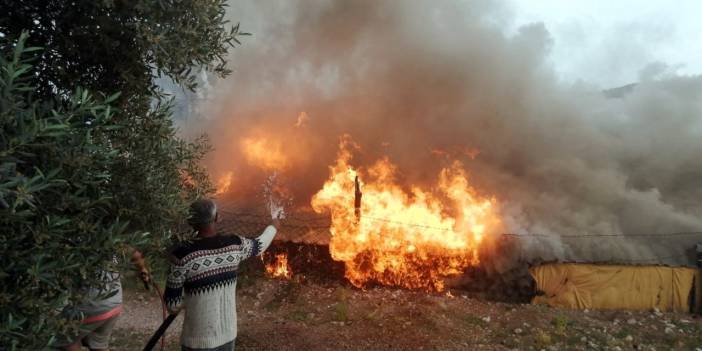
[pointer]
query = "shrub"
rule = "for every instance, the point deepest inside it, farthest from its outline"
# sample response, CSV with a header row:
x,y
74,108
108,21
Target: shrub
x,y
90,160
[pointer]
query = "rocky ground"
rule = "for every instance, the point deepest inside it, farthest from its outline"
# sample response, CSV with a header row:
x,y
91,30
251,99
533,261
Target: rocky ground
x,y
316,315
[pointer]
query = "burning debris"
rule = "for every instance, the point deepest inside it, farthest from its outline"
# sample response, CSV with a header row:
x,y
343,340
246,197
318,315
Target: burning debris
x,y
278,266
224,183
413,239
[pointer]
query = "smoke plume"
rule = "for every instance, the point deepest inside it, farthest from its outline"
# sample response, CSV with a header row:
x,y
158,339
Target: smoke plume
x,y
424,83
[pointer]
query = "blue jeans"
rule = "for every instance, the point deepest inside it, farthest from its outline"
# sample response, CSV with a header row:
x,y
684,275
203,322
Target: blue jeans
x,y
226,347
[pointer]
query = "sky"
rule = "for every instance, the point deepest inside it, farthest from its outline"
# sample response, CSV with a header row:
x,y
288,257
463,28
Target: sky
x,y
613,43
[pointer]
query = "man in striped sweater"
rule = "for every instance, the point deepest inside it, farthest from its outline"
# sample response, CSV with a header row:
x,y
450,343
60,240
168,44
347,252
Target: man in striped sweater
x,y
202,280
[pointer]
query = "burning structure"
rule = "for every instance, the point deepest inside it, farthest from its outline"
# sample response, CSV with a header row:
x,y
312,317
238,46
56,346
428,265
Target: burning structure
x,y
422,239
411,238
465,131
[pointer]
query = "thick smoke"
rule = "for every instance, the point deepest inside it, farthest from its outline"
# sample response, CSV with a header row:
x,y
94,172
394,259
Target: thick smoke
x,y
424,82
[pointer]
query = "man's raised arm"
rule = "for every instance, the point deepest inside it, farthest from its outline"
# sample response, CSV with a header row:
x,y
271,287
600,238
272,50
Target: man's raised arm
x,y
267,236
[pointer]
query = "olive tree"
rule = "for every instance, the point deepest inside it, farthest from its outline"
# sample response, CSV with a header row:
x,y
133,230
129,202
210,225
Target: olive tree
x,y
90,160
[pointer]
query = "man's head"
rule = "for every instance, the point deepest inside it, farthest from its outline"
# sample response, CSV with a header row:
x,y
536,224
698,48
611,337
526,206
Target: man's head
x,y
203,214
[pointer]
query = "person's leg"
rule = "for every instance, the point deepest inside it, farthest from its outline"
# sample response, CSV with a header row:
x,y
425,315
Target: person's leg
x,y
72,342
73,347
99,338
226,347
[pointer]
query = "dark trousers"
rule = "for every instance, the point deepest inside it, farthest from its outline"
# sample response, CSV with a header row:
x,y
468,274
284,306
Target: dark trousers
x,y
226,347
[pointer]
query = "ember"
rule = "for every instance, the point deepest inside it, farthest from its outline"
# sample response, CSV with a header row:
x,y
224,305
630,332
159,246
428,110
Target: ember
x,y
412,239
278,267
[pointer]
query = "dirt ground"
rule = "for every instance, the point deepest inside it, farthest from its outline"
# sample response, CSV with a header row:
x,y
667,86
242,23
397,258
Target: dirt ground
x,y
315,315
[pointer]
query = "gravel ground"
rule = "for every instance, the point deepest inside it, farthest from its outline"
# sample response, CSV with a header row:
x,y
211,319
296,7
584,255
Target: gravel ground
x,y
306,315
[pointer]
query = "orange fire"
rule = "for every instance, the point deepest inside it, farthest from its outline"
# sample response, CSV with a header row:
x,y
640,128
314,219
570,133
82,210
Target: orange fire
x,y
223,183
414,239
264,152
278,267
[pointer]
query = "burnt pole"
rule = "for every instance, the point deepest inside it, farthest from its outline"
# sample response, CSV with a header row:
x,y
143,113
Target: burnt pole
x,y
357,200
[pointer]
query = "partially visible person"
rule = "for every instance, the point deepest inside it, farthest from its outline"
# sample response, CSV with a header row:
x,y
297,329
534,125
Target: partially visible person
x,y
101,309
100,312
202,280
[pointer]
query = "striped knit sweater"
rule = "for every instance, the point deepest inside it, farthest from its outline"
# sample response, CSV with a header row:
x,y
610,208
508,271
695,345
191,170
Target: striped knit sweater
x,y
202,279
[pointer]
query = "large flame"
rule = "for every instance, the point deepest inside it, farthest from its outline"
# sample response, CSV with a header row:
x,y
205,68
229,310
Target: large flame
x,y
413,238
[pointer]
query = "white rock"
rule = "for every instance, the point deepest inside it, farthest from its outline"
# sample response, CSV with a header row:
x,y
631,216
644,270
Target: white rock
x,y
668,330
583,339
518,331
657,312
631,321
486,319
629,338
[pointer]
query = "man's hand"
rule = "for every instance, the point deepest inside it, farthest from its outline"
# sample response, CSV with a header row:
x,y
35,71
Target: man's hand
x,y
276,223
140,265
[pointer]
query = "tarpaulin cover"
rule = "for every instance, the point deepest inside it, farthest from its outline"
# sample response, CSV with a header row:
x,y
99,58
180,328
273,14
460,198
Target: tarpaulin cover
x,y
595,286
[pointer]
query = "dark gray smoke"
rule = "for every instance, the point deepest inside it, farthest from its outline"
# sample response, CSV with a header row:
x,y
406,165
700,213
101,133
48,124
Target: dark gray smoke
x,y
417,81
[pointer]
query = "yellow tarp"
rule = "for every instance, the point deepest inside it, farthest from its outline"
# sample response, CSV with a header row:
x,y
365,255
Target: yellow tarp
x,y
614,286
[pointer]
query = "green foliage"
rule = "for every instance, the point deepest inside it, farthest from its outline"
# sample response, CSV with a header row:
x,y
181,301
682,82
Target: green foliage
x,y
90,161
542,338
56,217
121,45
560,324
